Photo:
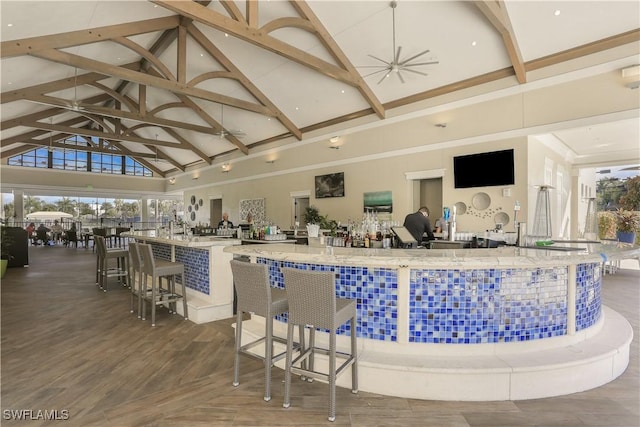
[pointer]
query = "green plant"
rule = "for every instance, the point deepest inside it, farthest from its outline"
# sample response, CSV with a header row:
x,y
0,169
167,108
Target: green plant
x,y
312,216
627,221
6,240
606,225
630,200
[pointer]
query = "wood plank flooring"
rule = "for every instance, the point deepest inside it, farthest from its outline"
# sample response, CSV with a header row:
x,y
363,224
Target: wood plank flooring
x,y
68,346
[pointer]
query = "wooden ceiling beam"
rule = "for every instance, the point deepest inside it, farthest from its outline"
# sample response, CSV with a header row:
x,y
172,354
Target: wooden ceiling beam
x,y
36,133
98,134
217,54
208,119
332,47
257,37
146,79
612,42
93,35
121,114
496,12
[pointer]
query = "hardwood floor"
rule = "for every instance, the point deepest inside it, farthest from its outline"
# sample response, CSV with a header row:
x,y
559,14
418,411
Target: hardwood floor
x,y
67,346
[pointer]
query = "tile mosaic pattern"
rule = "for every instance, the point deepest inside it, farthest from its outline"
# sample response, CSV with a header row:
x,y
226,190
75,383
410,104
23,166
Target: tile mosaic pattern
x,y
487,305
196,267
374,289
196,264
588,295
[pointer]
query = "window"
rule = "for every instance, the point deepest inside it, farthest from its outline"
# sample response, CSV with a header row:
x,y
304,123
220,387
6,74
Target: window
x,y
76,159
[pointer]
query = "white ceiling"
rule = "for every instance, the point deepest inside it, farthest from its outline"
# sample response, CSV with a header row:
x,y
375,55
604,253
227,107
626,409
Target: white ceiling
x,y
459,36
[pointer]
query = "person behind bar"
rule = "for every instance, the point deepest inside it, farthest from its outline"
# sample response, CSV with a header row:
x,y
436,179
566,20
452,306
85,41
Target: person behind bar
x,y
225,223
418,223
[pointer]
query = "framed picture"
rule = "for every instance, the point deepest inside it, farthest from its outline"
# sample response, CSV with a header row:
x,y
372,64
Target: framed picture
x,y
380,203
331,185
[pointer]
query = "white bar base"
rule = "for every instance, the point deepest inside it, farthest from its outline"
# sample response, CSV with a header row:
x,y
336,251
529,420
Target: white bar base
x,y
479,372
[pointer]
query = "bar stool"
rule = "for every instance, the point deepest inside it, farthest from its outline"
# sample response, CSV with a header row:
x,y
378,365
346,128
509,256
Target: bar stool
x,y
135,261
98,232
104,271
313,302
158,269
255,295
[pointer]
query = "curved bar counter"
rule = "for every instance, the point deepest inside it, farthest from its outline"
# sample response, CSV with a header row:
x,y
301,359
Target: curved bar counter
x,y
207,272
471,324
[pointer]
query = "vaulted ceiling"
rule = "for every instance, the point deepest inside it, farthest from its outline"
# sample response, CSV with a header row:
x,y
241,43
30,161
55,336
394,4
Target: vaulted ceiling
x,y
176,84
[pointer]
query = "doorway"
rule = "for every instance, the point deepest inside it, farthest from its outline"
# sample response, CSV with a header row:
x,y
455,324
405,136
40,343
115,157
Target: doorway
x,y
300,205
215,206
431,197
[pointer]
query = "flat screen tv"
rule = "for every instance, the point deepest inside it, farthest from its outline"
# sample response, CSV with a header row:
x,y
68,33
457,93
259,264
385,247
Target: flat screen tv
x,y
484,169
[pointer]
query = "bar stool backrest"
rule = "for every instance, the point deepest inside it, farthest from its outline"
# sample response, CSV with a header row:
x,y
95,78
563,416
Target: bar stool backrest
x,y
101,246
99,232
146,256
312,297
253,288
134,254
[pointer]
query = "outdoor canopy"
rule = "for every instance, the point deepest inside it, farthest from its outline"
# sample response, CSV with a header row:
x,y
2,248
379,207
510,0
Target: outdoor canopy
x,y
48,215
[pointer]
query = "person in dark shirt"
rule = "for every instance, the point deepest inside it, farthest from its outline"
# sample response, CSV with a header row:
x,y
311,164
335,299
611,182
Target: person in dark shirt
x,y
418,223
225,223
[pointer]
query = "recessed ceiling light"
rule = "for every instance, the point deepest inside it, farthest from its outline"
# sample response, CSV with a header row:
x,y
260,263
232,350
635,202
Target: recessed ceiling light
x,y
556,12
226,34
9,25
473,43
202,54
342,91
297,108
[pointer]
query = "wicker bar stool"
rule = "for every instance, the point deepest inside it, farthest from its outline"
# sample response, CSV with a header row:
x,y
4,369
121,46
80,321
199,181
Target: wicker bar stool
x,y
313,302
256,296
135,262
157,269
104,271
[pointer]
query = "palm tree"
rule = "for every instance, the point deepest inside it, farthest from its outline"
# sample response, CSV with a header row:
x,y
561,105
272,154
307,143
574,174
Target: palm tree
x,y
32,204
67,205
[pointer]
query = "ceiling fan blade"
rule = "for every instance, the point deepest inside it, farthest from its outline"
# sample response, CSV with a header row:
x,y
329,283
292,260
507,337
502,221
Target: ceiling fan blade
x,y
386,69
381,60
397,58
414,71
399,73
413,57
422,63
384,77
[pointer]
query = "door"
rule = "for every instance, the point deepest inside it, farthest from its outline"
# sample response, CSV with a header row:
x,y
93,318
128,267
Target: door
x,y
216,211
431,197
300,205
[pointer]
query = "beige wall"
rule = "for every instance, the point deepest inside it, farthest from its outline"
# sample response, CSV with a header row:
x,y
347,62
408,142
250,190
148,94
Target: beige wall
x,y
380,158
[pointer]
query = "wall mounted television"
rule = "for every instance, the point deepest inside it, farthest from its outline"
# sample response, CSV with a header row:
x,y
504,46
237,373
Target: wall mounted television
x,y
484,169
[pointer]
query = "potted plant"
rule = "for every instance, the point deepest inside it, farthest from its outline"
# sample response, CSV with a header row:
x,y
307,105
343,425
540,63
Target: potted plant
x,y
627,224
6,240
312,216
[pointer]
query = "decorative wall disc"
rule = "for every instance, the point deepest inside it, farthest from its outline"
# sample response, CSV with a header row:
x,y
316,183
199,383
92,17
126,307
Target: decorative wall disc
x,y
481,201
461,208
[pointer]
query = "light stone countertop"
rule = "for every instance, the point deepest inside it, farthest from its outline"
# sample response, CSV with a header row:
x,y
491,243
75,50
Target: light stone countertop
x,y
502,257
181,240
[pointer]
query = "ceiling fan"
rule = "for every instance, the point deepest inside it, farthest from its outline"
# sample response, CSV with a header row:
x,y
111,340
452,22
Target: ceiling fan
x,y
397,65
223,133
74,104
157,159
